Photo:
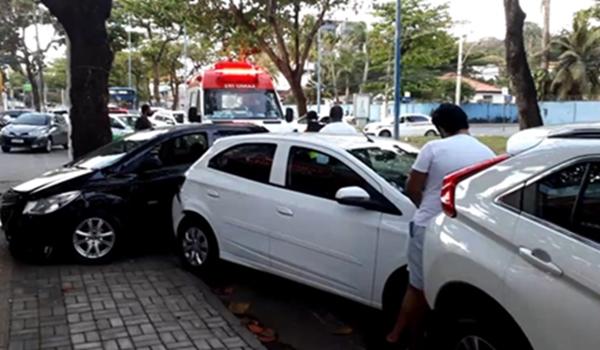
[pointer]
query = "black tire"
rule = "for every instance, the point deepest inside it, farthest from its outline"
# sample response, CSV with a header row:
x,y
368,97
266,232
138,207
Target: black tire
x,y
385,133
393,295
205,242
101,245
431,133
66,146
6,149
48,145
489,329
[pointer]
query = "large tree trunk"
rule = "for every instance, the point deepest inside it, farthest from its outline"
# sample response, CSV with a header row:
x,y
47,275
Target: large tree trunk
x,y
518,67
35,89
84,22
299,95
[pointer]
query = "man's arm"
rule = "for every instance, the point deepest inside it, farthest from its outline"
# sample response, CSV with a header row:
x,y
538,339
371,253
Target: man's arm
x,y
415,186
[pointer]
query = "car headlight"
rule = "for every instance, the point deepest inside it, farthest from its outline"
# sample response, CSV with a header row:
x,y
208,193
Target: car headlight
x,y
51,204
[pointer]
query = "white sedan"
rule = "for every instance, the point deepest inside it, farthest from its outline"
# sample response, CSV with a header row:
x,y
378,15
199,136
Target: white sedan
x,y
326,211
410,125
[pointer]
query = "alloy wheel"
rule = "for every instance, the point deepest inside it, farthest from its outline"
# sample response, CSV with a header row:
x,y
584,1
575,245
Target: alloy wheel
x,y
94,238
195,246
473,342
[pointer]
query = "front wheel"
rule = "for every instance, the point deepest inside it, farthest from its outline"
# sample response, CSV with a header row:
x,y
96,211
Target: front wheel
x,y
385,133
94,239
197,246
431,133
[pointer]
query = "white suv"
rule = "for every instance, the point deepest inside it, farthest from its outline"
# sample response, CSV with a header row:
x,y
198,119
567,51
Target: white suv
x,y
326,211
515,262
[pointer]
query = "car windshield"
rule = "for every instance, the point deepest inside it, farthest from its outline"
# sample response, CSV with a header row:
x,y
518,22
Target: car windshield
x,y
113,152
32,119
393,164
229,104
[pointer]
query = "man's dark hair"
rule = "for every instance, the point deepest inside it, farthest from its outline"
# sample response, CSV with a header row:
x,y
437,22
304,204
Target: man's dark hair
x,y
450,118
312,116
336,114
145,109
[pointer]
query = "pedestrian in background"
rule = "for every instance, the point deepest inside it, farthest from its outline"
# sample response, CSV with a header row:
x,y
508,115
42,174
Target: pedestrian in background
x,y
456,150
313,124
143,123
337,125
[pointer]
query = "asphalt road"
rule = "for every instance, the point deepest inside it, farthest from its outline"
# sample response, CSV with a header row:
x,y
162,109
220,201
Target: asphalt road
x,y
21,165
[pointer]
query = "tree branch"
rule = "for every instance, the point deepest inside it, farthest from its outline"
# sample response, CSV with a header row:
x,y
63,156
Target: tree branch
x,y
271,8
310,38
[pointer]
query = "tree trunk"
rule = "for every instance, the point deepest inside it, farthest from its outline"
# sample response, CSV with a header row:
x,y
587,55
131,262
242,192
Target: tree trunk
x,y
334,81
518,67
156,82
35,89
366,69
299,95
84,22
347,89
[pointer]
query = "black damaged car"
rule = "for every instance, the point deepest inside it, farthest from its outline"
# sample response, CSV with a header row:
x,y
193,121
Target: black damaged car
x,y
117,196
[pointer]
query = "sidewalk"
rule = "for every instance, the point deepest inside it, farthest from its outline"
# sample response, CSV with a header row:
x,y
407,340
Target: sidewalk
x,y
147,303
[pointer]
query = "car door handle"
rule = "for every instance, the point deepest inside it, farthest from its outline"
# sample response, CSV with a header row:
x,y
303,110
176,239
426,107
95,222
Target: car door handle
x,y
213,194
540,259
285,211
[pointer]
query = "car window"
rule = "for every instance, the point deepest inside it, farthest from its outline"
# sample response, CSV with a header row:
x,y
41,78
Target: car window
x,y
115,124
250,161
587,220
553,198
318,174
393,165
417,119
183,150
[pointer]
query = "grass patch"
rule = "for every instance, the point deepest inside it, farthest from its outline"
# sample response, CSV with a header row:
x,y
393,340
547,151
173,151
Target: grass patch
x,y
496,143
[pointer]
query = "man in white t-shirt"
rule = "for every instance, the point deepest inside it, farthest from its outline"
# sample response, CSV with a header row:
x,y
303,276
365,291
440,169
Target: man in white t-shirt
x,y
456,150
336,125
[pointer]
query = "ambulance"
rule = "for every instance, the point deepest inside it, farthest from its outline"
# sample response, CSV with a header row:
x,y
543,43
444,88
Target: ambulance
x,y
236,91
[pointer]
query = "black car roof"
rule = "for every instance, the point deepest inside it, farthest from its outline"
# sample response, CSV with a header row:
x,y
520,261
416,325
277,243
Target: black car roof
x,y
211,127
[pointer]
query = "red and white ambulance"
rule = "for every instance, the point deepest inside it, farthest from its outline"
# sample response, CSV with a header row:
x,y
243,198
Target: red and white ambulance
x,y
236,91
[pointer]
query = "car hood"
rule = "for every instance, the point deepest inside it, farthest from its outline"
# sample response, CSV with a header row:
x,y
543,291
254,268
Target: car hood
x,y
20,129
54,178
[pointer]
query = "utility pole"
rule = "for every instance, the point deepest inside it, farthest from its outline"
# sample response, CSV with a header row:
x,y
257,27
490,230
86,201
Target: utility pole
x,y
459,69
129,78
319,71
546,35
398,71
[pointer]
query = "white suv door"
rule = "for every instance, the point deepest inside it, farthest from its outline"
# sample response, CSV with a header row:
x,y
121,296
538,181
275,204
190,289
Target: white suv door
x,y
237,192
318,240
554,281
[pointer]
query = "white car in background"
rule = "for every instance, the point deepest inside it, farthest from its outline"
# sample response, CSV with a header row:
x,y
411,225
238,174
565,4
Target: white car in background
x,y
515,262
325,211
410,125
119,127
163,117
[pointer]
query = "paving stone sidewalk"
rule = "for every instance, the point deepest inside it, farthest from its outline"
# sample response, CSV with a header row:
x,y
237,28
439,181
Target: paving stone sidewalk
x,y
147,303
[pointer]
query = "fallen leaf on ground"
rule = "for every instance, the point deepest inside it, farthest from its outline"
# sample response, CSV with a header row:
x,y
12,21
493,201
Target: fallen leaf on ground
x,y
239,308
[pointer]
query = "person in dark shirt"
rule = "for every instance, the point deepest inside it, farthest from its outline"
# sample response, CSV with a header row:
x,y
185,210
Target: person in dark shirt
x,y
313,124
143,123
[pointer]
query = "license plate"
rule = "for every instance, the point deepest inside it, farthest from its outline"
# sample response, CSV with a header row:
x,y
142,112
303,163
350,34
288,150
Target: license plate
x,y
19,141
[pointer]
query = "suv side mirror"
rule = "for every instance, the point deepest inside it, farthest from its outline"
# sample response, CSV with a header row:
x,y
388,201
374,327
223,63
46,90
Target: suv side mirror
x,y
193,115
289,115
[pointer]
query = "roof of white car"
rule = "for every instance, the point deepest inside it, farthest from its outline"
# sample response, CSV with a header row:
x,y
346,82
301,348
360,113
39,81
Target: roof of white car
x,y
341,141
530,138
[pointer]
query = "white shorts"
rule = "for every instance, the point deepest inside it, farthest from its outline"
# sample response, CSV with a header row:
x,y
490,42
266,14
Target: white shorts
x,y
415,256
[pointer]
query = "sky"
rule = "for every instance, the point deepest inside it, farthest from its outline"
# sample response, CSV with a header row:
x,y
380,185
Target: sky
x,y
474,18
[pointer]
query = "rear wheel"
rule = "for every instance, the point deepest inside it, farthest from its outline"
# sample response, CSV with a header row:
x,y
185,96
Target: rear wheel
x,y
198,248
480,327
5,149
385,133
431,133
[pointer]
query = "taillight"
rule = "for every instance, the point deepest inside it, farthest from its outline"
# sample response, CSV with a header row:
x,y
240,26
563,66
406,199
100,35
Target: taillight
x,y
453,179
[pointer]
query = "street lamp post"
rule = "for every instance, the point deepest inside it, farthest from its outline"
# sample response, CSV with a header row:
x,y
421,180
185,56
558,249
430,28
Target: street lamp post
x,y
319,57
459,69
398,71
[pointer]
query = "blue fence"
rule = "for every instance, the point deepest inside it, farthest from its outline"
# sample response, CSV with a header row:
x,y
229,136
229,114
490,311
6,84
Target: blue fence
x,y
553,113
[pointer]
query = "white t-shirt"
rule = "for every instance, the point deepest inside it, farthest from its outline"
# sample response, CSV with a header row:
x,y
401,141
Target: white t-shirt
x,y
338,128
440,158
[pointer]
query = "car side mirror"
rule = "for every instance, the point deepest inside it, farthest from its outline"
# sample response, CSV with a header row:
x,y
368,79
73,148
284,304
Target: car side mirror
x,y
289,115
353,196
193,115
